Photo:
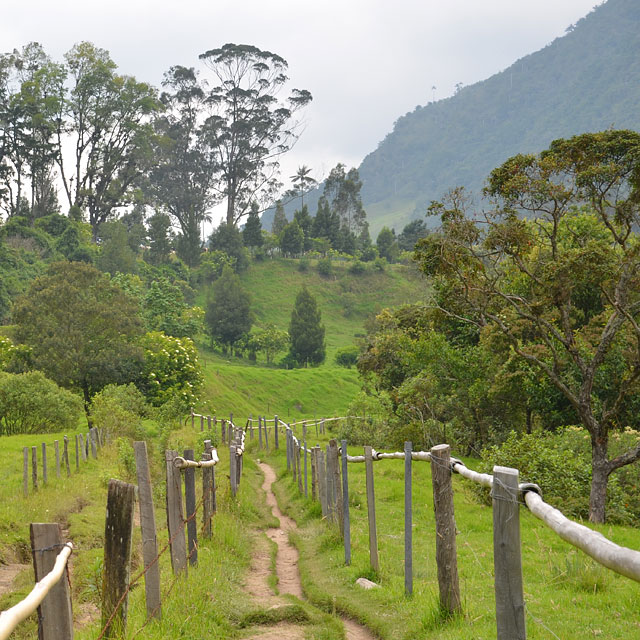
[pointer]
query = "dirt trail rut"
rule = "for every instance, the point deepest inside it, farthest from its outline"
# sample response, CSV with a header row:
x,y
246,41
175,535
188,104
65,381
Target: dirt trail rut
x,y
286,570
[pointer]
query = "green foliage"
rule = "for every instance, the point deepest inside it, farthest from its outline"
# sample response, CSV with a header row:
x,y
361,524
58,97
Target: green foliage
x,y
81,327
165,310
228,238
271,341
357,268
347,357
292,240
386,244
252,232
171,370
306,331
31,403
324,267
160,239
212,264
279,219
115,253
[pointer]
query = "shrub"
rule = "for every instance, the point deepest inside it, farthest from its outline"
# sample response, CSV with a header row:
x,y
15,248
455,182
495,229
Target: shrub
x,y
303,264
357,267
31,403
380,264
325,267
347,357
119,409
368,424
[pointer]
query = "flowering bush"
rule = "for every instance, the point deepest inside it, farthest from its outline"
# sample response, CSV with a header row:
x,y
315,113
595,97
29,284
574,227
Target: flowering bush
x,y
171,369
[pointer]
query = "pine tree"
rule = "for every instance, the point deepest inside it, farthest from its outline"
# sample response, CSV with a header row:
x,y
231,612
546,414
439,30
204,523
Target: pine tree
x,y
279,220
252,232
306,331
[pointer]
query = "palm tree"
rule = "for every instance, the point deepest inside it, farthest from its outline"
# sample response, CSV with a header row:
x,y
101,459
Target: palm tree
x,y
302,181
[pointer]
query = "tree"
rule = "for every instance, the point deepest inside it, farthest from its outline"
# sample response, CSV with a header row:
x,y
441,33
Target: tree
x,y
292,240
115,253
305,222
562,286
252,232
82,328
271,340
386,243
108,118
228,238
411,233
306,331
181,180
342,191
279,219
228,316
249,128
326,224
160,239
302,182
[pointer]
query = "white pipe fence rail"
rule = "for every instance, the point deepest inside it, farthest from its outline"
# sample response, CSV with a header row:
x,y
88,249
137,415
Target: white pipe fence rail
x,y
12,617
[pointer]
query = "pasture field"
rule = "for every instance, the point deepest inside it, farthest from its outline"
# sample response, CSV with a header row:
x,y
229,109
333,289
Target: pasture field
x,y
567,595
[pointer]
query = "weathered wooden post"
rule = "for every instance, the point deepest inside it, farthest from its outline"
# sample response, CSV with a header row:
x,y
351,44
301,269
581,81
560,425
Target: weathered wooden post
x,y
408,521
56,449
371,510
329,480
266,434
207,491
287,434
298,448
34,467
65,456
337,485
507,558
25,471
77,452
45,475
201,423
92,435
209,424
118,534
346,533
233,469
86,443
275,426
259,433
322,482
148,530
306,477
314,466
190,504
446,555
55,617
193,420
175,522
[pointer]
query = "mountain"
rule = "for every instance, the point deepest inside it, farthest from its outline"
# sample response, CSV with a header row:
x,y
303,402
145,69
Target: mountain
x,y
587,80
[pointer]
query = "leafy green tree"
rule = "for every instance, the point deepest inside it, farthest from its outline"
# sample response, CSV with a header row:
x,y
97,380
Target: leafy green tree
x,y
165,310
250,128
279,219
252,232
326,223
228,238
160,239
386,243
305,222
342,191
181,181
411,233
562,286
292,240
115,253
347,356
271,341
306,331
228,316
171,370
82,328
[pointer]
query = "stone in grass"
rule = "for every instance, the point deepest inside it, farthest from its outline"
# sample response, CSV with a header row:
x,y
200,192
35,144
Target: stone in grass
x,y
366,584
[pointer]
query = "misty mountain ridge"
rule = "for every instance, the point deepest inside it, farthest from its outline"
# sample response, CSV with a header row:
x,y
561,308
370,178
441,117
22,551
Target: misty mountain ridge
x,y
587,80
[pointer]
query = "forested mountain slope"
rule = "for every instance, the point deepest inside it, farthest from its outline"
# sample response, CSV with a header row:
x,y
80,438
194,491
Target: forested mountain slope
x,y
587,80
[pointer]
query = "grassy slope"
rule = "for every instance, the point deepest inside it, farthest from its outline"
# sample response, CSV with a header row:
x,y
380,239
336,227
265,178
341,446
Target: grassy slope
x,y
566,593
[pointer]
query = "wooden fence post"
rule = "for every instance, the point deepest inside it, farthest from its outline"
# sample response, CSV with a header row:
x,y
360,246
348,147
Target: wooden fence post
x,y
25,471
77,453
65,456
223,428
275,426
87,443
148,529
92,436
298,454
266,434
371,510
304,444
207,491
507,555
233,469
193,420
408,521
45,475
346,533
175,522
314,466
201,423
209,424
55,617
56,449
34,467
446,555
322,482
190,504
288,448
330,491
118,535
337,485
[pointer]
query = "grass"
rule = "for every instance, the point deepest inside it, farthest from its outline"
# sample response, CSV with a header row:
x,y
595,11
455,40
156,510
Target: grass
x,y
566,594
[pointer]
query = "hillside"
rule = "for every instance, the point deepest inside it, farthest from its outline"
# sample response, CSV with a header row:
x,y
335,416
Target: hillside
x,y
587,80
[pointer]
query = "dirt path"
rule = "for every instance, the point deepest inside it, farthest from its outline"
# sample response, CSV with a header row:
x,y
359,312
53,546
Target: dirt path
x,y
8,573
286,570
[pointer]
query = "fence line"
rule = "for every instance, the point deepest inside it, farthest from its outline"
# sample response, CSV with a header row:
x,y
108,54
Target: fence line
x,y
12,617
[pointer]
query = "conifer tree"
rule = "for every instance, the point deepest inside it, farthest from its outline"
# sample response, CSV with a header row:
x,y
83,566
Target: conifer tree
x,y
279,220
306,331
252,232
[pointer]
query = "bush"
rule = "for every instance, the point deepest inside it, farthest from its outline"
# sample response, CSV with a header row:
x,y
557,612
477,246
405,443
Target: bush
x,y
303,264
368,424
119,409
347,357
380,264
560,464
31,403
357,267
325,267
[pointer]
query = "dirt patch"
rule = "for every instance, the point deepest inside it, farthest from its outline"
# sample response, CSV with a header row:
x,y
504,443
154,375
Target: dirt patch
x,y
8,573
279,632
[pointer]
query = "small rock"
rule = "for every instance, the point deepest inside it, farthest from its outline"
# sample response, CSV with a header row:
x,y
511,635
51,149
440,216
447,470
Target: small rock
x,y
366,584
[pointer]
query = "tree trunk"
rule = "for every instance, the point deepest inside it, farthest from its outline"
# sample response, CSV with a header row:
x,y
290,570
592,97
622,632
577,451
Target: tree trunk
x,y
599,478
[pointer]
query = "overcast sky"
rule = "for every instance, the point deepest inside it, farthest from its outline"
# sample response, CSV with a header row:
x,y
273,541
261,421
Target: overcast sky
x,y
366,62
